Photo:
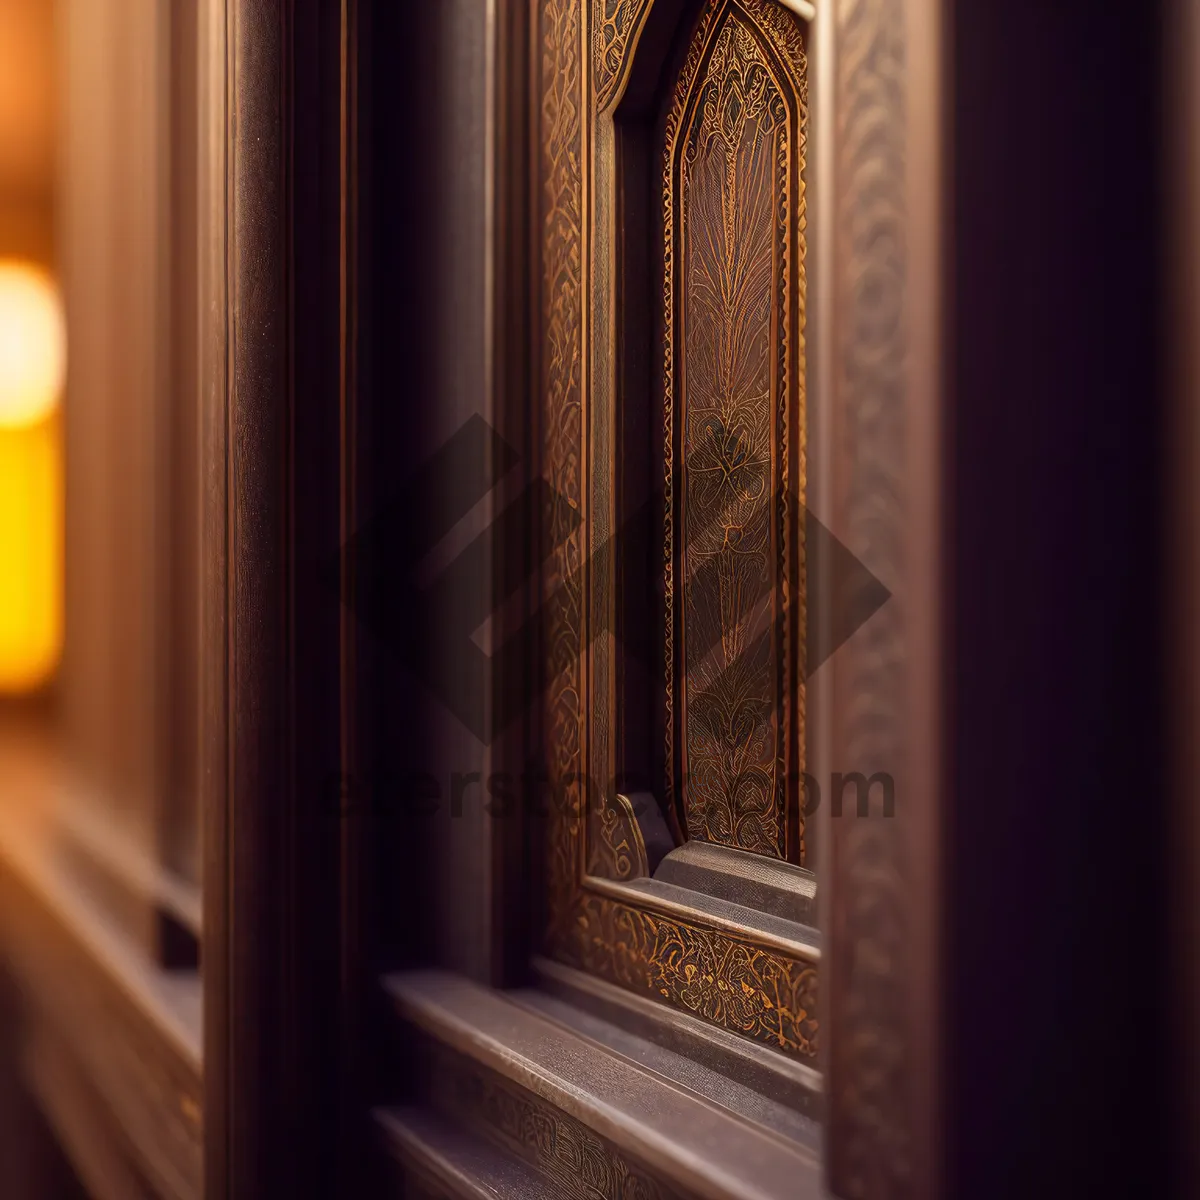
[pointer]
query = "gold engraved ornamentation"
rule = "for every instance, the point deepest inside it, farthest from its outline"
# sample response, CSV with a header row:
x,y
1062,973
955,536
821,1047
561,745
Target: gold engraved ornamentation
x,y
614,22
733,209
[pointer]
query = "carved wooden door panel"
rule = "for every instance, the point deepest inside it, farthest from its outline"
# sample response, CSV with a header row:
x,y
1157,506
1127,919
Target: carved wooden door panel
x,y
656,185
673,383
733,392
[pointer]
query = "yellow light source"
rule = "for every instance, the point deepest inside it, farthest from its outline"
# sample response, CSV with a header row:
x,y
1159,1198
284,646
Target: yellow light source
x,y
31,617
33,345
32,366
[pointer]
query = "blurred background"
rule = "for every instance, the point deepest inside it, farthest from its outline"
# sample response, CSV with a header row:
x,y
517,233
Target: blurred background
x,y
97,471
32,375
32,351
97,399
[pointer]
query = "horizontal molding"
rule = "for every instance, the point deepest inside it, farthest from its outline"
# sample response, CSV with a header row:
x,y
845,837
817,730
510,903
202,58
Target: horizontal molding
x,y
132,1029
789,938
441,1159
763,885
664,1037
692,1145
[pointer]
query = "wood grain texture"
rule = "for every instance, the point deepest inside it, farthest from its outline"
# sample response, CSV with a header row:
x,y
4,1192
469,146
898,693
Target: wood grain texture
x,y
569,1106
881,979
274,472
579,1164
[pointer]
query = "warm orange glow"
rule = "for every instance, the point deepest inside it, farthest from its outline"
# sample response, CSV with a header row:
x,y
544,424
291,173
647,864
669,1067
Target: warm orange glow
x,y
33,345
31,618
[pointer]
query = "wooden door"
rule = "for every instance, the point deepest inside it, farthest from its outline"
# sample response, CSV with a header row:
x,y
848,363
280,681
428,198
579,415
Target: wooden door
x,y
725,350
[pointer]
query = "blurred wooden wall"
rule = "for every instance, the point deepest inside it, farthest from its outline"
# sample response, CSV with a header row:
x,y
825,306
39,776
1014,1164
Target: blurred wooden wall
x,y
34,1166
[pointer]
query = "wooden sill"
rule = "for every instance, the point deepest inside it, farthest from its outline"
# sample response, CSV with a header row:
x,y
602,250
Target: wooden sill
x,y
495,1068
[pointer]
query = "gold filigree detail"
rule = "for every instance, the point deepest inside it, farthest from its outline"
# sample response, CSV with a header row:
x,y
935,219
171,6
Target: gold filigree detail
x,y
726,980
614,21
561,357
621,852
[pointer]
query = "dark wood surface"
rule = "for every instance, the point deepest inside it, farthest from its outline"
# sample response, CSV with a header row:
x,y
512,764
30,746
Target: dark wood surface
x,y
1054,468
273,975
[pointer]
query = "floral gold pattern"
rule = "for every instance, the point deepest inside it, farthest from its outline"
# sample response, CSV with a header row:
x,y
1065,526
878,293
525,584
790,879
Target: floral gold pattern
x,y
733,418
726,980
561,266
615,21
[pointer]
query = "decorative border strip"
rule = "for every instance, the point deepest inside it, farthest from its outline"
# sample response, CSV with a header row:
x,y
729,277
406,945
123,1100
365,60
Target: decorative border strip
x,y
882,875
732,982
615,23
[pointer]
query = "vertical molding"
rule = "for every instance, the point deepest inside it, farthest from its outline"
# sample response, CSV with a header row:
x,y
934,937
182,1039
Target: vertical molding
x,y
213,309
277,959
245,548
258,784
822,425
243,578
354,881
513,402
881,969
1181,113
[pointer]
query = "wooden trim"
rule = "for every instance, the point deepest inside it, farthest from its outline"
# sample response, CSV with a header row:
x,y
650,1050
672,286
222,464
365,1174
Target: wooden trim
x,y
737,1064
882,1000
438,1155
275,466
508,333
491,1053
212,216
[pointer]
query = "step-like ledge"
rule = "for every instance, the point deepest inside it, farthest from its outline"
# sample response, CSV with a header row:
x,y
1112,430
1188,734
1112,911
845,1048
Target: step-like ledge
x,y
532,1074
436,1158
